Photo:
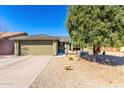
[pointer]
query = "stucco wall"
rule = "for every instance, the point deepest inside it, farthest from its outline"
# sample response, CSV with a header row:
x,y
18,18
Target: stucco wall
x,y
55,47
6,47
110,49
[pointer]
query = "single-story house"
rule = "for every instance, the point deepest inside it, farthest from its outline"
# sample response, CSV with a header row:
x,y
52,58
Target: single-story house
x,y
40,44
7,46
19,43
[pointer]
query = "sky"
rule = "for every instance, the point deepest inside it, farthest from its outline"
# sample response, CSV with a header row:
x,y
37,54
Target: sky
x,y
34,19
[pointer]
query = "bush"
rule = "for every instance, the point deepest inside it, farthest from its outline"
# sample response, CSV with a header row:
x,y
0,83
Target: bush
x,y
68,67
70,58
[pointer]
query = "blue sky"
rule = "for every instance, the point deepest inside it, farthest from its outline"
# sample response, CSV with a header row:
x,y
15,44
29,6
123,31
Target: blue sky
x,y
34,19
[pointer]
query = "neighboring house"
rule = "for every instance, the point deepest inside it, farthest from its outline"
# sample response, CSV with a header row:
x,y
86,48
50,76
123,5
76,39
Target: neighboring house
x,y
40,44
111,49
7,46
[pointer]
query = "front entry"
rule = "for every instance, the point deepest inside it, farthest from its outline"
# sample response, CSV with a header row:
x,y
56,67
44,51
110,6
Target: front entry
x,y
61,47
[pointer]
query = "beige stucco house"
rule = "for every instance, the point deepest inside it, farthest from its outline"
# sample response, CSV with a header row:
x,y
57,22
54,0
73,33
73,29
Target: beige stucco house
x,y
40,45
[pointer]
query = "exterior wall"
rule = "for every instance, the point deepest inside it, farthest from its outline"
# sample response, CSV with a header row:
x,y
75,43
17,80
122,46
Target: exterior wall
x,y
122,49
6,47
16,48
67,48
55,48
110,49
72,47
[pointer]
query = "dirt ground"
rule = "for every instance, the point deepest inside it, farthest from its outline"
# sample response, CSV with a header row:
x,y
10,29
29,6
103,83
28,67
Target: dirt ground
x,y
84,74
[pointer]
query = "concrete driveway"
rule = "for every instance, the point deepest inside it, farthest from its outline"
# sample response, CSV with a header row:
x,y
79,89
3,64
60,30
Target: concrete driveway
x,y
20,72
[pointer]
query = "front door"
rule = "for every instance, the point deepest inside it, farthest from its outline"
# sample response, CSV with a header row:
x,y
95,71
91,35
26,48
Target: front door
x,y
61,47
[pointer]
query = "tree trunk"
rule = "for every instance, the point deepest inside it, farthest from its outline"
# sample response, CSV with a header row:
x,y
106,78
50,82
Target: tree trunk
x,y
96,50
94,57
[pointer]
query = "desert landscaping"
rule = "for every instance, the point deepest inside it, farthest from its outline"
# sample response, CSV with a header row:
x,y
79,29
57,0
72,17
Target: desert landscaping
x,y
81,74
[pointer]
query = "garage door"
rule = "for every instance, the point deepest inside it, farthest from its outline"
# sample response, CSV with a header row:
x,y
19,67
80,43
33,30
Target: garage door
x,y
36,47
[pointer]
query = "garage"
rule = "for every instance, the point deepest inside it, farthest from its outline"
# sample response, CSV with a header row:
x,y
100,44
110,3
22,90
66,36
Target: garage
x,y
39,47
35,45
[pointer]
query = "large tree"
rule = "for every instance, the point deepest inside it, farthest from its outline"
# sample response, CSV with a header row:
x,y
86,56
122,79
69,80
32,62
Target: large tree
x,y
90,26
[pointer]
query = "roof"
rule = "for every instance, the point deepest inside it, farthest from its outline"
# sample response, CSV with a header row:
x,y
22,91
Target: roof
x,y
11,34
42,37
35,38
63,38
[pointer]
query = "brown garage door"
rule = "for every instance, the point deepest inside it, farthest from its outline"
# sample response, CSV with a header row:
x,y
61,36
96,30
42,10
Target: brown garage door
x,y
36,47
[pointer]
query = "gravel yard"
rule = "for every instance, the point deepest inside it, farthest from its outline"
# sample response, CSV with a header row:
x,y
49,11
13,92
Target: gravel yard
x,y
84,74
